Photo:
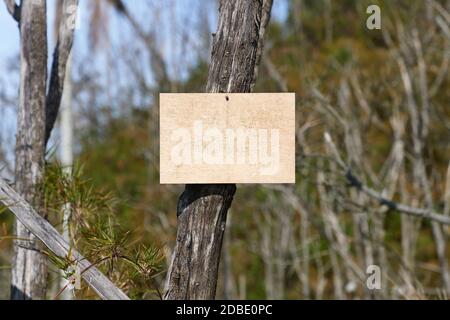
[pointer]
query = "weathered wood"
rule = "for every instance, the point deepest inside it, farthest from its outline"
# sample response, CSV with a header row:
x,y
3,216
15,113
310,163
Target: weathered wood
x,y
29,268
202,209
227,138
45,232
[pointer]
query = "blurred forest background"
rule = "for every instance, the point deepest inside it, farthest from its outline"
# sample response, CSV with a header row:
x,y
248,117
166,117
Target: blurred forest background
x,y
380,97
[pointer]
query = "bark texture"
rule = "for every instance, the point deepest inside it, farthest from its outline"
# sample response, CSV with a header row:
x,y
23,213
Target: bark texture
x,y
29,270
60,59
202,209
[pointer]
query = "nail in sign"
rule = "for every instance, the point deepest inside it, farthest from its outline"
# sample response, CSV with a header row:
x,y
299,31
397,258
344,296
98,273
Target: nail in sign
x,y
227,138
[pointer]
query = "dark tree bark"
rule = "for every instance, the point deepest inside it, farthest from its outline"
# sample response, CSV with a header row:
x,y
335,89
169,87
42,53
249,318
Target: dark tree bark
x,y
29,269
202,209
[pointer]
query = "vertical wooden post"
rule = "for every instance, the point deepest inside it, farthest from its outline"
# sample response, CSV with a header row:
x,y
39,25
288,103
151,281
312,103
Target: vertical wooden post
x,y
202,209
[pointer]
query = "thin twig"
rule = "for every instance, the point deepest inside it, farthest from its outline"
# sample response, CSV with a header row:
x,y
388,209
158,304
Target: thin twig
x,y
354,181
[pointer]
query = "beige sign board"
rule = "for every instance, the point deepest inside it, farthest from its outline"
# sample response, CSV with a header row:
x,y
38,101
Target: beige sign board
x,y
227,138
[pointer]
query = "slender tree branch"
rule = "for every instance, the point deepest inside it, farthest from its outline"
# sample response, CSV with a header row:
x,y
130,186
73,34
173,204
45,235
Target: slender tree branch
x,y
157,61
13,9
275,74
265,19
355,182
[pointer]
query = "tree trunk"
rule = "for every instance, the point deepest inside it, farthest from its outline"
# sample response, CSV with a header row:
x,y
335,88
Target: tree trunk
x,y
67,158
202,209
29,269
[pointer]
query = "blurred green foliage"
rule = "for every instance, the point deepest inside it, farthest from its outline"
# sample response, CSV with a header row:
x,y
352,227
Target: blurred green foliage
x,y
316,48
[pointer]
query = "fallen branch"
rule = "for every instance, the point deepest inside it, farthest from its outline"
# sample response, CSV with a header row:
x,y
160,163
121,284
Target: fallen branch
x,y
355,182
45,232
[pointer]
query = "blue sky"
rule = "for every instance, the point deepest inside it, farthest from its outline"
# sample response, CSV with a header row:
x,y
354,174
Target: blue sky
x,y
168,26
9,36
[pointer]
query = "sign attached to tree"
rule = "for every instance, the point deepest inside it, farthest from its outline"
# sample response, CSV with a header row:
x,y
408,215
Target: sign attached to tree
x,y
227,138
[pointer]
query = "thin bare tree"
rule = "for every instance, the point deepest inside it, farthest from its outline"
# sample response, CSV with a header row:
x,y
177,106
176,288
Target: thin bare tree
x,y
29,271
38,108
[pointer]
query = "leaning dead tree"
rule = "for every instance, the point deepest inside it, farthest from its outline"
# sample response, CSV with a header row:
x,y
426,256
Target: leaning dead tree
x,y
55,243
38,108
202,209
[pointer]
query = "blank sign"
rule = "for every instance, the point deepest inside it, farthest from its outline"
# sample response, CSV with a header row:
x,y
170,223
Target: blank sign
x,y
227,138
